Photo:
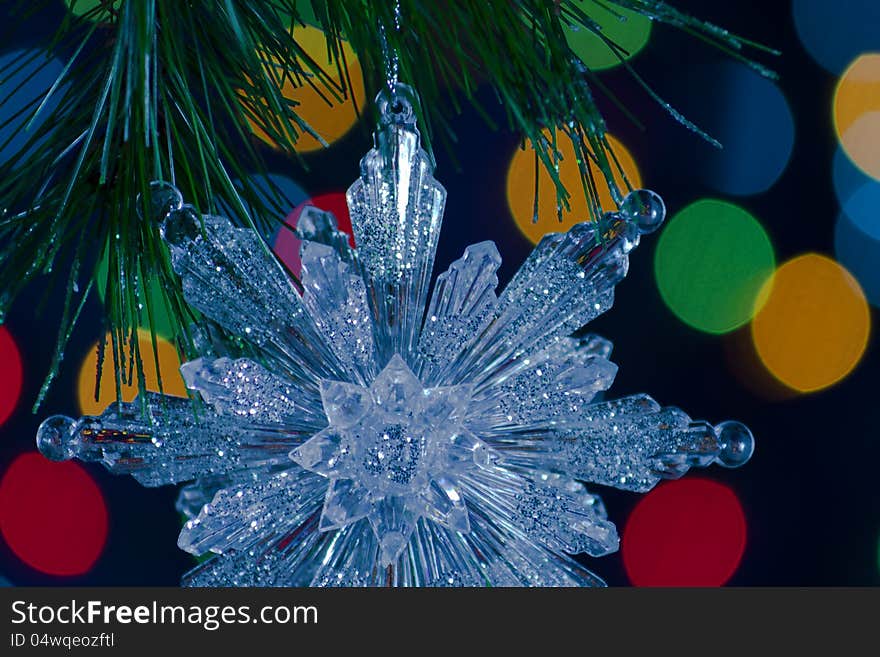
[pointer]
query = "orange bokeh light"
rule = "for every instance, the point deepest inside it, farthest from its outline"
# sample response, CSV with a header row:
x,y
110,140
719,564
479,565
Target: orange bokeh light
x,y
331,119
521,188
814,326
857,113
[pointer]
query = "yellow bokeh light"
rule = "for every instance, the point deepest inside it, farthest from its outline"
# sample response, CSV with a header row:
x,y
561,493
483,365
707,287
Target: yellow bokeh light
x,y
857,113
169,367
329,117
521,188
813,328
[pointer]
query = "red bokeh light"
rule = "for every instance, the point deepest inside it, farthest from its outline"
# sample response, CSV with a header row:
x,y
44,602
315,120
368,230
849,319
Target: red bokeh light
x,y
286,245
11,374
52,515
689,532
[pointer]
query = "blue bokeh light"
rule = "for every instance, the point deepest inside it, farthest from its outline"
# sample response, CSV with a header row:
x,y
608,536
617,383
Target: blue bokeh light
x,y
863,209
21,90
834,32
291,193
847,177
753,121
857,238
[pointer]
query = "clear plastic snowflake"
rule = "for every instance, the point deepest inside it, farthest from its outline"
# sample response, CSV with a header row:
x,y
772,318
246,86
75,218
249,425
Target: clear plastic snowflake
x,y
382,438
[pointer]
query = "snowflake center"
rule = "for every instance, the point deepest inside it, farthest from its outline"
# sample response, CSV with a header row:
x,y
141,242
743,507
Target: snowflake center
x,y
393,453
392,458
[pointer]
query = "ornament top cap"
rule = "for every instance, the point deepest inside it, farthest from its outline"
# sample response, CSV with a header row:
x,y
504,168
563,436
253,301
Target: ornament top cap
x,y
396,105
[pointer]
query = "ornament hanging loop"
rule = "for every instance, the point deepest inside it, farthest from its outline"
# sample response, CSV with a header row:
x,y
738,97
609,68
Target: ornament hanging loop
x,y
396,105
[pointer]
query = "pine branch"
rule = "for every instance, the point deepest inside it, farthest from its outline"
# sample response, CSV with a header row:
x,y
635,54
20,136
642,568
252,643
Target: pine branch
x,y
169,90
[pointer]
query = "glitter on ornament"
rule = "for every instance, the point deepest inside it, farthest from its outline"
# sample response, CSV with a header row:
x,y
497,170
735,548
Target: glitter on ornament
x,y
385,434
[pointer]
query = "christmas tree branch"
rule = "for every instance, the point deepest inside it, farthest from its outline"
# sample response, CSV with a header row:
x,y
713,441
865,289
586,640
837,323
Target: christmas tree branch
x,y
169,90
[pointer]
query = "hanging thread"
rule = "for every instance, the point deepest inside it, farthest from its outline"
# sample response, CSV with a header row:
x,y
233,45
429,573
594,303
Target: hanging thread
x,y
392,65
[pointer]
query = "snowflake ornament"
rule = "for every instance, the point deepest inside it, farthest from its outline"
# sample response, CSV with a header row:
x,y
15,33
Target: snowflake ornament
x,y
385,438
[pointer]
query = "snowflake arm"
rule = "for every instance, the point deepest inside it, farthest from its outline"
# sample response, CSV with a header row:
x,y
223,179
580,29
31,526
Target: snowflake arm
x,y
555,384
260,305
337,299
168,445
463,304
247,390
567,282
267,510
396,208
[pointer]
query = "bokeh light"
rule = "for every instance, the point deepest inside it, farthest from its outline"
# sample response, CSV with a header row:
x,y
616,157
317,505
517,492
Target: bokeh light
x,y
627,29
857,112
847,177
11,374
711,263
330,120
21,89
306,14
162,322
857,238
52,515
521,188
813,328
286,244
835,32
689,532
169,368
289,195
753,121
94,10
862,143
746,112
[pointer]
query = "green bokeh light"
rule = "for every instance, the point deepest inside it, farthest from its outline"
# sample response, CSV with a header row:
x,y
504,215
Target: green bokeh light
x,y
306,15
711,263
629,30
161,319
83,7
